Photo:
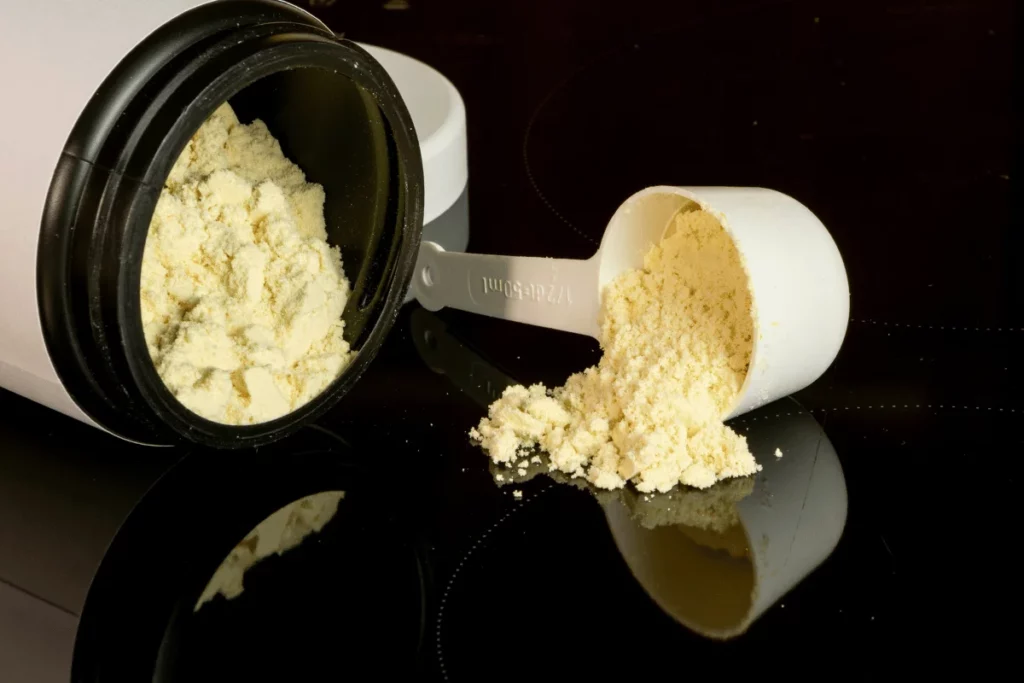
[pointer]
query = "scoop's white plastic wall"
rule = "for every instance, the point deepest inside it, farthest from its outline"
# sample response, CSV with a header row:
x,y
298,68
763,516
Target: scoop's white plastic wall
x,y
798,281
797,278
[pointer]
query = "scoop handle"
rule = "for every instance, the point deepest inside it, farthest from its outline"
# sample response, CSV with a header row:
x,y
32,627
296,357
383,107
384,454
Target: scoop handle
x,y
561,294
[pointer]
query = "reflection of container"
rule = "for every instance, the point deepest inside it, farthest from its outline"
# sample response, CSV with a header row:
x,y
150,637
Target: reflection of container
x,y
104,555
719,584
84,165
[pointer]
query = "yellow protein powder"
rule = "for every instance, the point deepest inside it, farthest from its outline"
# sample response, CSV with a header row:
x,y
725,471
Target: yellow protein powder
x,y
241,295
677,336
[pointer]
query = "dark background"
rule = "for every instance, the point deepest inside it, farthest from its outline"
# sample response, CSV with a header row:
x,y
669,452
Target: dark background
x,y
897,123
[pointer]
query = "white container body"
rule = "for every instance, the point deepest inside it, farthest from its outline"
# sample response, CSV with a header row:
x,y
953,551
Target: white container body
x,y
53,57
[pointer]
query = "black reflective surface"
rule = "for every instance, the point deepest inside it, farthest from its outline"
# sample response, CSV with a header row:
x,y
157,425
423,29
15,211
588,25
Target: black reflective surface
x,y
883,541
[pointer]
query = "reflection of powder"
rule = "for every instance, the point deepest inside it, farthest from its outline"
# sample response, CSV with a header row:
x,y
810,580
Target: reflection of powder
x,y
712,509
277,534
731,540
677,338
241,295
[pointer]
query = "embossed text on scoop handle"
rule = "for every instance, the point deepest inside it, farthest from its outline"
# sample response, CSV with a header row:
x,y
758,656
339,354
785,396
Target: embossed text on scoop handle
x,y
562,294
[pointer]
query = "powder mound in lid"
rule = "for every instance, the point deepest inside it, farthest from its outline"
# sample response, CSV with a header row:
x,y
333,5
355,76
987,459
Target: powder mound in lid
x,y
677,337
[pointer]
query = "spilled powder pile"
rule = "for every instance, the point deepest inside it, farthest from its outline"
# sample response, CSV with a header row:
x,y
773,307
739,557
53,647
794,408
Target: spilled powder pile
x,y
677,336
241,295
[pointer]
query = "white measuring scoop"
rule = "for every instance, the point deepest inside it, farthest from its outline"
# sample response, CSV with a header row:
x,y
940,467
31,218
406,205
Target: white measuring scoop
x,y
798,283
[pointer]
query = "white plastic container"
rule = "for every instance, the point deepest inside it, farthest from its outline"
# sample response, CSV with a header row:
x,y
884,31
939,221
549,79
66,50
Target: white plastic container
x,y
107,92
93,37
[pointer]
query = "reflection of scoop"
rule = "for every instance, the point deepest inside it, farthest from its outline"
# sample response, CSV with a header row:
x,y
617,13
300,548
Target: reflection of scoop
x,y
797,279
789,526
712,509
698,510
714,559
446,355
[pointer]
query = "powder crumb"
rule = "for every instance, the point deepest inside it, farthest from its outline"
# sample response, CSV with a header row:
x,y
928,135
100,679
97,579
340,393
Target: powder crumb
x,y
499,477
517,494
241,295
521,471
778,452
677,337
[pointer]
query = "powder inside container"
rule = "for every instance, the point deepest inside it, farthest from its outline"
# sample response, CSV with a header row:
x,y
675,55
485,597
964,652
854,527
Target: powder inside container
x,y
677,337
241,295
